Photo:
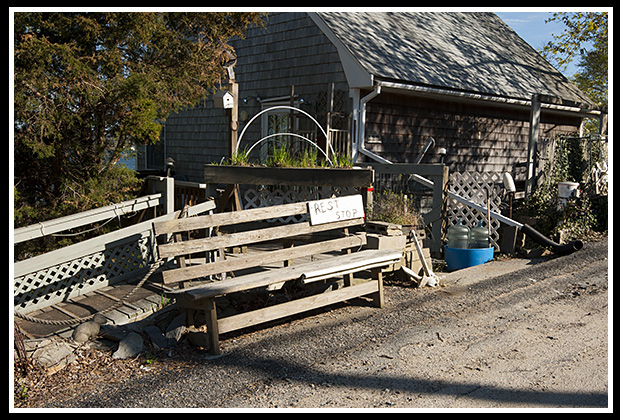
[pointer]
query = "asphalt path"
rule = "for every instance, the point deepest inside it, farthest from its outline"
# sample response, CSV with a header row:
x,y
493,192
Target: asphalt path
x,y
510,334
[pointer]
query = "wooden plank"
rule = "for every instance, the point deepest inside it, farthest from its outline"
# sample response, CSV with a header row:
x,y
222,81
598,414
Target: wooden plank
x,y
348,271
435,169
253,236
64,311
229,218
87,247
233,239
212,326
185,297
377,298
359,261
200,208
282,310
384,228
261,258
84,218
98,244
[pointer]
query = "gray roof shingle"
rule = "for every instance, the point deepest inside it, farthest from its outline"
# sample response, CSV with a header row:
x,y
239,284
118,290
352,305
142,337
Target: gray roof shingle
x,y
470,52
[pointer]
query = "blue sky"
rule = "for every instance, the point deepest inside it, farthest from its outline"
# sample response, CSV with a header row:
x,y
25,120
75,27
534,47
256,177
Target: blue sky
x,y
532,28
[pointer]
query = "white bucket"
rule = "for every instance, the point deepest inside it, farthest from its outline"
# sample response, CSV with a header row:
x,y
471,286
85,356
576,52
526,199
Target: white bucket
x,y
566,191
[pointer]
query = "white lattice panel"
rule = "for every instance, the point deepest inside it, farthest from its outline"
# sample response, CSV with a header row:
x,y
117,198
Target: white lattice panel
x,y
475,187
72,278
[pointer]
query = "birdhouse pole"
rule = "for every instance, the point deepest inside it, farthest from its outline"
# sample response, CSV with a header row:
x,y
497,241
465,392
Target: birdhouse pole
x,y
231,194
233,88
234,116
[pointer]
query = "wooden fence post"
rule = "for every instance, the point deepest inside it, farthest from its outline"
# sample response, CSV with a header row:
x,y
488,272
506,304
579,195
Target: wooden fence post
x,y
165,186
532,145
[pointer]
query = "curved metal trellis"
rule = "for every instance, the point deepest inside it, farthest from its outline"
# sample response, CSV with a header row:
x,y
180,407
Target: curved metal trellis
x,y
287,134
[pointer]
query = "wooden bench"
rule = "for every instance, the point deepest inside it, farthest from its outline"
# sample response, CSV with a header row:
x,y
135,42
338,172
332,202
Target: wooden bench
x,y
328,231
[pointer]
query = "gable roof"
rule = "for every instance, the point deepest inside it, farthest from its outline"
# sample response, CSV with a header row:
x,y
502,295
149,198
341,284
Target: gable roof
x,y
466,52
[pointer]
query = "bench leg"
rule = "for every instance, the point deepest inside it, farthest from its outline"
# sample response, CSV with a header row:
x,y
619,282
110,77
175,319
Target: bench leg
x,y
377,298
189,317
212,327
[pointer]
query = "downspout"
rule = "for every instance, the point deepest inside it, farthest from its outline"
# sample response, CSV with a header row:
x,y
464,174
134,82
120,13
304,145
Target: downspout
x,y
361,131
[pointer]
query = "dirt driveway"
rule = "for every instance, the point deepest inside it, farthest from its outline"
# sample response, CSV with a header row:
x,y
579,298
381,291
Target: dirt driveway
x,y
510,334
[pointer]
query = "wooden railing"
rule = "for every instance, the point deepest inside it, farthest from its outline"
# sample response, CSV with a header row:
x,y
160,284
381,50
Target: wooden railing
x,y
68,272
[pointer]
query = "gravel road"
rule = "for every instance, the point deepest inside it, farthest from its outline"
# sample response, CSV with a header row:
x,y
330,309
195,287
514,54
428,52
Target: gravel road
x,y
510,334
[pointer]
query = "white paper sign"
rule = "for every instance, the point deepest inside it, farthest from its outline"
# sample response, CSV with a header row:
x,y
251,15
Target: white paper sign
x,y
335,209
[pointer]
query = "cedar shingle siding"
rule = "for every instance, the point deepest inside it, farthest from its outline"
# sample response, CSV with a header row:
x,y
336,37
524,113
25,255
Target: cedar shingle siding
x,y
476,138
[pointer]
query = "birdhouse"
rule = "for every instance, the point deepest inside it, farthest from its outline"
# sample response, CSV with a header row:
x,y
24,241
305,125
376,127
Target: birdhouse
x,y
223,99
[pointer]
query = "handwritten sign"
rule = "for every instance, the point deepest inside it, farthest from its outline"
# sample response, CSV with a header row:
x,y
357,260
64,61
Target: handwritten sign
x,y
335,209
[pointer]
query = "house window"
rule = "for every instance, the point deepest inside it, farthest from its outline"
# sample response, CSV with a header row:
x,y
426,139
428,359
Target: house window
x,y
277,121
154,154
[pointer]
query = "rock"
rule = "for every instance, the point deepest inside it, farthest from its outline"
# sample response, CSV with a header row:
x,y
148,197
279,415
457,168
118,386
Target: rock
x,y
199,338
89,329
114,332
158,338
175,330
53,355
130,346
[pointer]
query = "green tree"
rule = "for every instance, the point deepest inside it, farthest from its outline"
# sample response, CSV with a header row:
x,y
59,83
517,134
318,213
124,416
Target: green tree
x,y
88,86
586,39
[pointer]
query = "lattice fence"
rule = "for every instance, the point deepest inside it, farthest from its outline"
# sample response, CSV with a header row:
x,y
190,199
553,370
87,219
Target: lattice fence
x,y
62,274
59,281
476,187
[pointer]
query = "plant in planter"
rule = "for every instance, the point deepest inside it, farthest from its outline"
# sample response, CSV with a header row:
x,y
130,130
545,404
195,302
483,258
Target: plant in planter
x,y
282,157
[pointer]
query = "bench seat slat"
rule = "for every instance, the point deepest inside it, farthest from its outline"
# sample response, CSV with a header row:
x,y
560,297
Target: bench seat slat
x,y
358,261
355,261
242,261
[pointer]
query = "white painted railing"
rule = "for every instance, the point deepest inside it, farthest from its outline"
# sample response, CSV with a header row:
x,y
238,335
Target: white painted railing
x,y
65,273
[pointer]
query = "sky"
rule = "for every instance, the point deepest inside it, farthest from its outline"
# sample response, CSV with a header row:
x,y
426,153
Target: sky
x,y
532,28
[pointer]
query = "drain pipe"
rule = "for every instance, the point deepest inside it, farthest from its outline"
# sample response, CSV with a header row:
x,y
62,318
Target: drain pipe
x,y
361,131
565,249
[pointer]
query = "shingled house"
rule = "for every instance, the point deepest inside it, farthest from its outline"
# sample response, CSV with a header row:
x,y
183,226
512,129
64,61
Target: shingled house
x,y
381,84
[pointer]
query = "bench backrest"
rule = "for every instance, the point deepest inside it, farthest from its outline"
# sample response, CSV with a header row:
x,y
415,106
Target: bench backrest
x,y
323,215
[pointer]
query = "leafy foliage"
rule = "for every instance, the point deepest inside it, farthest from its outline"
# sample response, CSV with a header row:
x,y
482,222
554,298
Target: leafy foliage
x,y
392,207
579,217
89,86
585,38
